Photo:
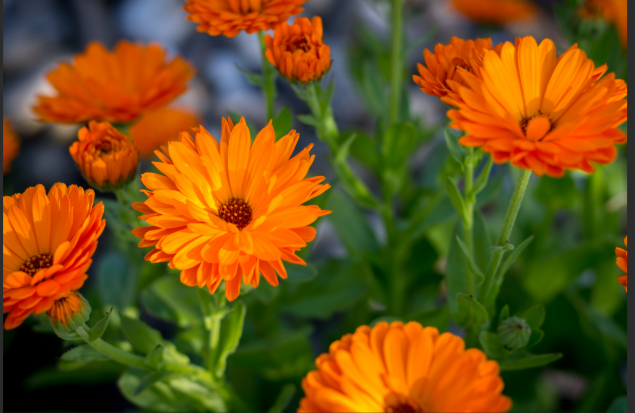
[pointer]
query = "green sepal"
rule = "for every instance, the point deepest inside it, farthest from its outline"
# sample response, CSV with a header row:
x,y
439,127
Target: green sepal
x,y
63,331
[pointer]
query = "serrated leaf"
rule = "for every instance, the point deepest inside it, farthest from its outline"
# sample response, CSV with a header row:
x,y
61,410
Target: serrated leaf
x,y
143,337
470,312
456,150
283,399
535,316
530,362
230,332
470,259
492,345
98,329
84,353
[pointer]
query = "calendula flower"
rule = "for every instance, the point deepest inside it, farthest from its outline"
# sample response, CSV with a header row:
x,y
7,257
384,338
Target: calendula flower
x,y
297,51
230,212
10,146
622,263
230,17
69,311
157,128
541,112
115,86
48,241
495,11
403,368
439,76
107,158
613,11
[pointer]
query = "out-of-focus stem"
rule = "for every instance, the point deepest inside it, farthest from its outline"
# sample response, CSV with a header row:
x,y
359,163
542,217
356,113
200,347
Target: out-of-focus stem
x,y
396,70
269,87
467,227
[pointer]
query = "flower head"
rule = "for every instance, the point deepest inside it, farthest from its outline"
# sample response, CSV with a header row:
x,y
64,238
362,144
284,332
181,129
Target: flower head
x,y
622,263
10,146
540,112
157,128
495,11
230,17
297,51
106,157
439,76
231,211
115,86
69,311
48,241
403,368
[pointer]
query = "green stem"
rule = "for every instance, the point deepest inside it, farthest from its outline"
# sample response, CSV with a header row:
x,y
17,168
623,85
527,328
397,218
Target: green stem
x,y
327,131
113,352
467,227
212,324
503,237
396,70
268,74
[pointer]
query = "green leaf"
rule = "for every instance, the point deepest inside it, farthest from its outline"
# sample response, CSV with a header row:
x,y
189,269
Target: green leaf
x,y
327,95
456,149
372,87
230,333
310,120
456,198
470,259
483,177
169,299
282,123
455,272
398,144
482,242
505,314
618,405
535,316
492,345
536,337
283,399
253,78
84,353
149,380
98,329
439,318
116,283
299,273
530,362
97,372
471,312
513,257
143,337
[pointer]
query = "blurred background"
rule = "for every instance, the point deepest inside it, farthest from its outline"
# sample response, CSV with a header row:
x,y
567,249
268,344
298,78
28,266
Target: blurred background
x,y
585,216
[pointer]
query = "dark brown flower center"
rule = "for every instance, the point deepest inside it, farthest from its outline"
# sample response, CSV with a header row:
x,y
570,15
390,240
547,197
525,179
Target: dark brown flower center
x,y
403,408
536,127
298,43
104,147
37,263
237,212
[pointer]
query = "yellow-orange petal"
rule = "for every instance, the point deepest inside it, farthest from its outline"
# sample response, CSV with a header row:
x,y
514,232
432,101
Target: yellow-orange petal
x,y
622,263
157,128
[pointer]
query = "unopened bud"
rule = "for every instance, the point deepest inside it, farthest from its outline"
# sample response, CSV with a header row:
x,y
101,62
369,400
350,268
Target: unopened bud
x,y
514,333
69,312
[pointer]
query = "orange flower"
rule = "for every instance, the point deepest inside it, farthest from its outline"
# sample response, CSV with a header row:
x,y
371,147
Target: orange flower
x,y
159,127
10,146
69,307
613,11
540,112
230,17
622,263
439,77
115,86
48,242
230,212
403,368
298,51
495,11
107,158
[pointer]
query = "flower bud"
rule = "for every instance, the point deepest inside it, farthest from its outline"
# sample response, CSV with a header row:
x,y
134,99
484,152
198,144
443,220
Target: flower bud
x,y
107,158
69,312
514,333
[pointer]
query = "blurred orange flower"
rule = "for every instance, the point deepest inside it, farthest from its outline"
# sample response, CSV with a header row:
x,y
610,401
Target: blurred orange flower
x,y
297,51
439,76
540,112
48,241
230,17
107,158
159,127
230,212
403,368
10,146
495,11
114,86
622,263
613,11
